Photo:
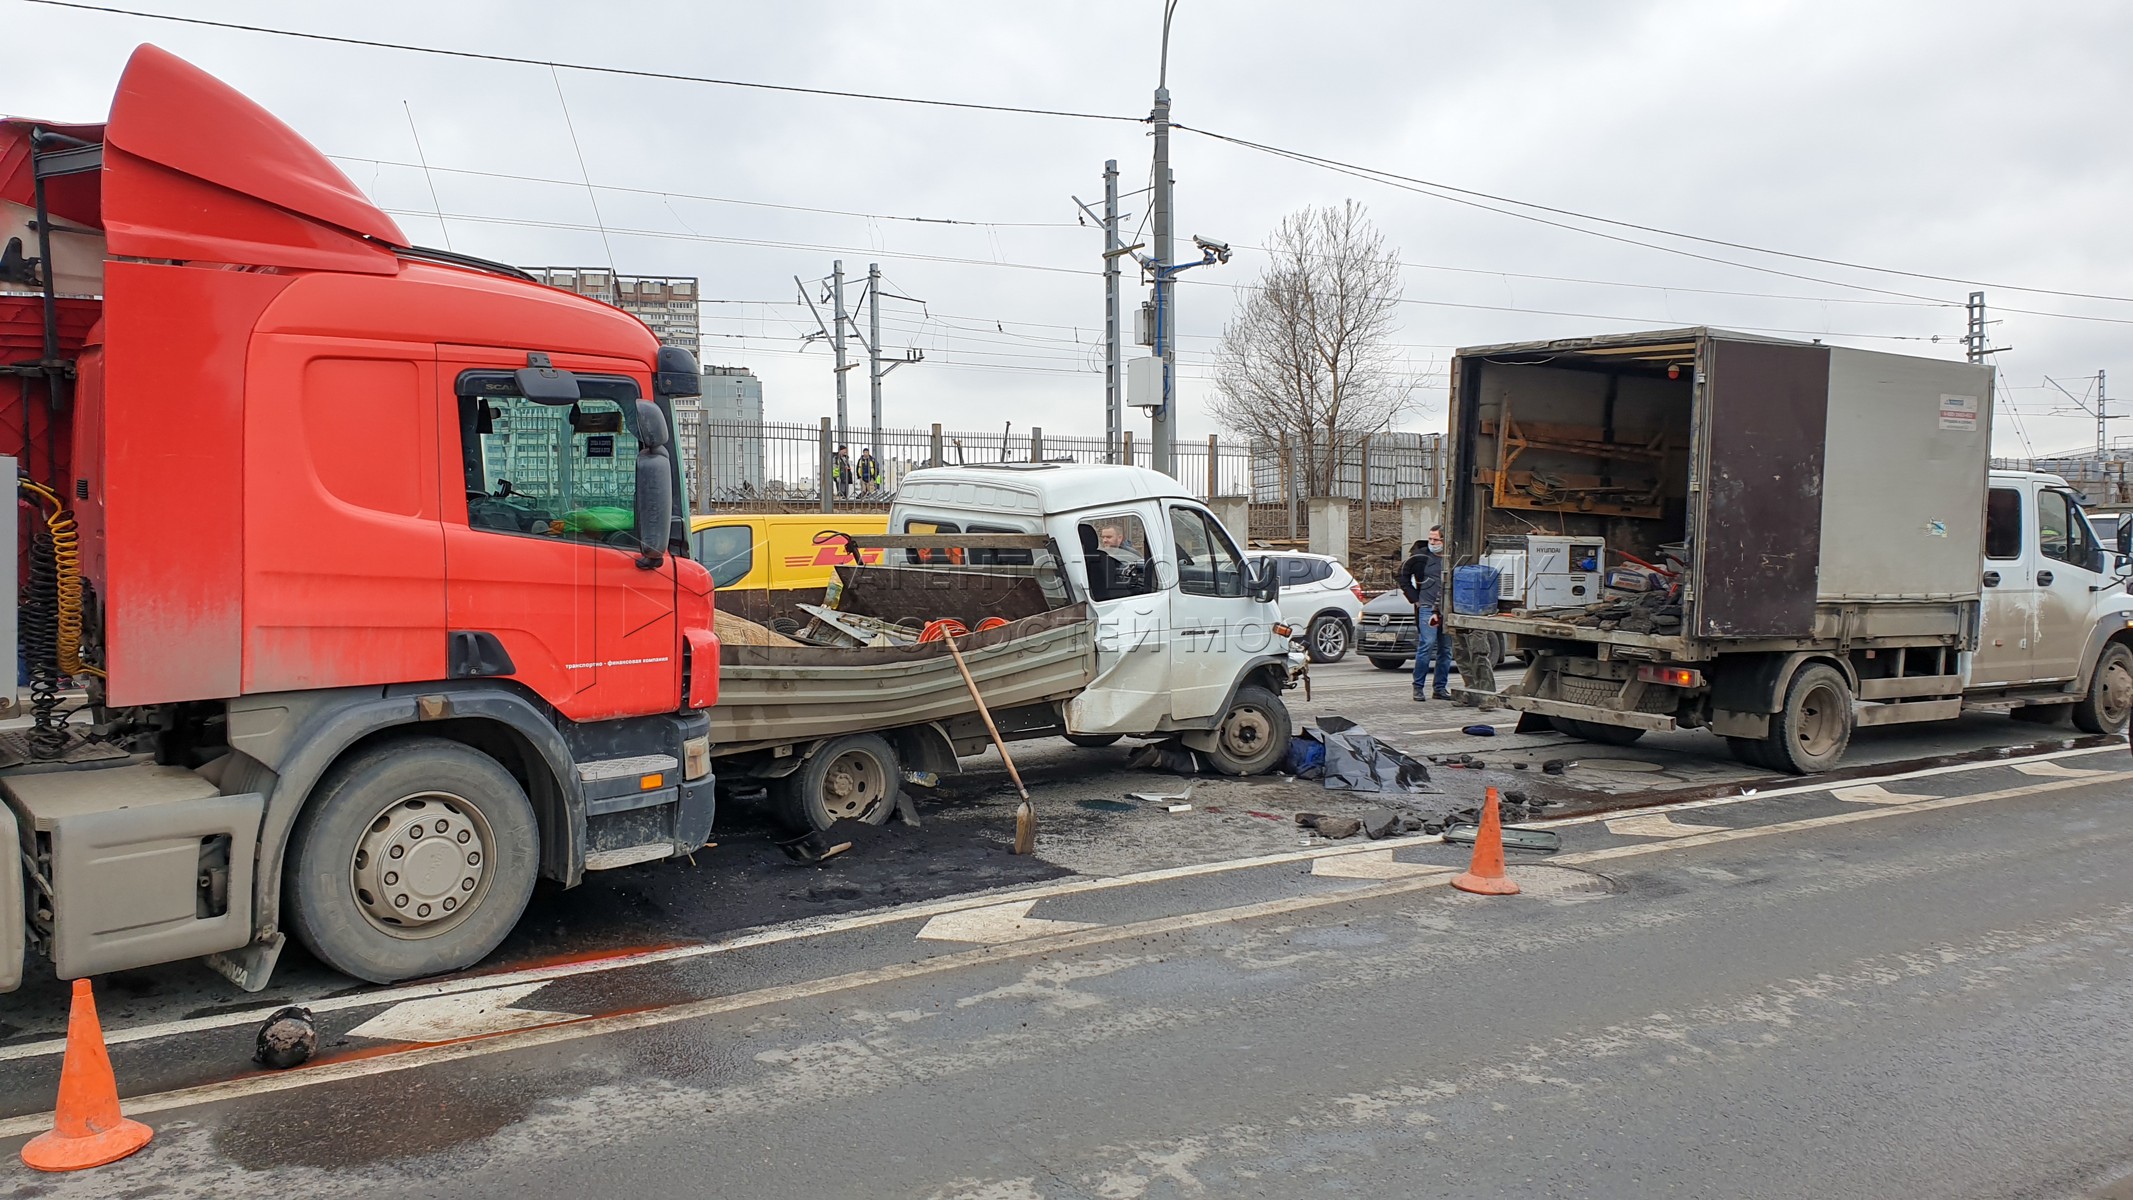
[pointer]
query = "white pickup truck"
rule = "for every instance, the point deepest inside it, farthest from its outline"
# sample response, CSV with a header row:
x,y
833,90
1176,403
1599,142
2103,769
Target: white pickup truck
x,y
1811,535
1129,612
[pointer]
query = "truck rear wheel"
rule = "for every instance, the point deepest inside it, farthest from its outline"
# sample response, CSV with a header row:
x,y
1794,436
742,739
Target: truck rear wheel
x,y
2110,697
1593,731
1254,734
411,858
1811,732
852,778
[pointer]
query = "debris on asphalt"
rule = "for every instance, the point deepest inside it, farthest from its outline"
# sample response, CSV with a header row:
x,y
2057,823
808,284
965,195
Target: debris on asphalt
x,y
816,846
1330,827
288,1039
1520,766
1380,823
1533,841
1174,803
1479,731
924,779
1555,766
1253,812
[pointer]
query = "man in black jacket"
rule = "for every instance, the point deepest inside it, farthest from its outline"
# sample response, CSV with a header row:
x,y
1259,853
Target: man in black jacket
x,y
1422,582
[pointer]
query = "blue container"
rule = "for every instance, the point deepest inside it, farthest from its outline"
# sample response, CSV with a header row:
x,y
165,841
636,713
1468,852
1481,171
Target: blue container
x,y
1476,589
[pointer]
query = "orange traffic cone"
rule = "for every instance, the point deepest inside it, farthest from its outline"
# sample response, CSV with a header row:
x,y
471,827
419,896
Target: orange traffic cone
x,y
1485,876
87,1130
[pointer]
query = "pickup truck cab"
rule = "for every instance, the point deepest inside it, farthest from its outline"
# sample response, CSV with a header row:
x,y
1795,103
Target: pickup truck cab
x,y
1189,638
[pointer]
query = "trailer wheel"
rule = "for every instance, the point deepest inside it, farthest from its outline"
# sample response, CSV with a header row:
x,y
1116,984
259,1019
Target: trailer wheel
x,y
1388,664
1094,741
852,778
1254,734
2110,699
1328,638
1593,731
1811,732
411,858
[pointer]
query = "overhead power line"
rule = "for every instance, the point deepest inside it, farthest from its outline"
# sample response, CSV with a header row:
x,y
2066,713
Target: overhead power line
x,y
1397,179
670,76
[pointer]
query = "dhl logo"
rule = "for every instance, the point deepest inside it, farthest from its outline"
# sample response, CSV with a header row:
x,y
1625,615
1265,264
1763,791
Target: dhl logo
x,y
832,555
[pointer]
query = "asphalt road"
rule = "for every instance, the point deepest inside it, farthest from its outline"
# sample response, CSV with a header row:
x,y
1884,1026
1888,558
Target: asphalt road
x,y
1914,986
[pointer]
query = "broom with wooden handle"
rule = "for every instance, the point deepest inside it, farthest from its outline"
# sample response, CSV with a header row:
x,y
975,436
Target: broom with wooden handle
x,y
1025,815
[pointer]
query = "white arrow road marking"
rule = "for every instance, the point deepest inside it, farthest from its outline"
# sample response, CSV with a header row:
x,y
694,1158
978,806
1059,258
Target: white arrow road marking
x,y
1373,864
2052,770
1874,793
1657,825
995,924
450,1018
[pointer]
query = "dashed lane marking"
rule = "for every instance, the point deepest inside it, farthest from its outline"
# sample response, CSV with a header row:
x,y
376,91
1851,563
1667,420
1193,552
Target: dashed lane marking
x,y
1375,864
1656,825
596,1026
449,1018
2052,770
996,924
1874,793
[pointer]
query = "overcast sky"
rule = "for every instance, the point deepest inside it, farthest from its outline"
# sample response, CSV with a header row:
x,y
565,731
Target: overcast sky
x,y
1981,142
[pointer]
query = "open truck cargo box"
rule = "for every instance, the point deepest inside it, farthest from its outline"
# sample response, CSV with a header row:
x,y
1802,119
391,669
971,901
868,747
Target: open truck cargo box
x,y
1822,491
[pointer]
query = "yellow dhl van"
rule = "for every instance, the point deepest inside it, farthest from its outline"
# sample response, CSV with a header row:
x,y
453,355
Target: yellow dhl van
x,y
764,563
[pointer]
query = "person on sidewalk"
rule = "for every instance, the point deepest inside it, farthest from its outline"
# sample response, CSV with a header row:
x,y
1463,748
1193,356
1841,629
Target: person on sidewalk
x,y
1422,582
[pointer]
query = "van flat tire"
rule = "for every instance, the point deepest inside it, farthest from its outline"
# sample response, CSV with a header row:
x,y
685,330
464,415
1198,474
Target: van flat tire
x,y
852,778
1254,735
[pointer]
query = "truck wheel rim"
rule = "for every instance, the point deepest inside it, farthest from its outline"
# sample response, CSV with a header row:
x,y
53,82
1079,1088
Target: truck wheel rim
x,y
852,785
1245,732
2117,690
1331,638
422,865
1821,721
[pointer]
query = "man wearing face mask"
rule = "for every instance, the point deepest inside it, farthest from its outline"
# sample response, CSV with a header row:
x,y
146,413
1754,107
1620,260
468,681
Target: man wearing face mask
x,y
1422,582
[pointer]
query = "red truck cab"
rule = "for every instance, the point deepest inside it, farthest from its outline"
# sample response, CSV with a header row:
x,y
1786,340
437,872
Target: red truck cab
x,y
372,562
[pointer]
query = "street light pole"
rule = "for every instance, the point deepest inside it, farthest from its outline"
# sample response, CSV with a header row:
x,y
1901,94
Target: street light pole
x,y
1163,424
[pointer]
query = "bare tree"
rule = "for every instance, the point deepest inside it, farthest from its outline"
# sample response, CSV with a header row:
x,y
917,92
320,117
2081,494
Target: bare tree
x,y
1307,360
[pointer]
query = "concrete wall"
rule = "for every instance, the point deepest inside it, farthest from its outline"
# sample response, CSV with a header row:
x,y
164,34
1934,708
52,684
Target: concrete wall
x,y
1329,527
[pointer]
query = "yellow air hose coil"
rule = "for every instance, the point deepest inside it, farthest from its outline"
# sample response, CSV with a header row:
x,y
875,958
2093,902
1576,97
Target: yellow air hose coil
x,y
66,557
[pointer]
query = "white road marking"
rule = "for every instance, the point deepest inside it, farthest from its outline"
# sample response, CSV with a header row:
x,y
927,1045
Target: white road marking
x,y
996,924
797,931
1373,864
2052,770
451,1018
1656,825
1874,793
359,1068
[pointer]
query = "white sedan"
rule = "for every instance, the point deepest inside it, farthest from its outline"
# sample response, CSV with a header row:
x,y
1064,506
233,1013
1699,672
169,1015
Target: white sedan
x,y
1318,596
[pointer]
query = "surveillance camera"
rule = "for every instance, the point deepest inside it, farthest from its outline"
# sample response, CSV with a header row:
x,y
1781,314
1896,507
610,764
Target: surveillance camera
x,y
1218,249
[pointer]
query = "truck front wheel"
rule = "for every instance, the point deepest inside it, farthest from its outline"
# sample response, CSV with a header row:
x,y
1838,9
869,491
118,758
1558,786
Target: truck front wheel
x,y
1254,734
2110,697
411,858
1812,731
853,778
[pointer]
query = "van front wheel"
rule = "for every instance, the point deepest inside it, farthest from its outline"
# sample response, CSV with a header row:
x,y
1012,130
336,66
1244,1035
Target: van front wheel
x,y
2109,701
1254,734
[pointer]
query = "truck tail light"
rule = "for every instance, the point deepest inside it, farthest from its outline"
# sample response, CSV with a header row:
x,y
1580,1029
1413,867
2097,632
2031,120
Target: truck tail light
x,y
696,757
1680,677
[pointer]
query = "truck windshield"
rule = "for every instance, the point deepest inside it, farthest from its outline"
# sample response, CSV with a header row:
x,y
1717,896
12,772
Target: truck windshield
x,y
562,471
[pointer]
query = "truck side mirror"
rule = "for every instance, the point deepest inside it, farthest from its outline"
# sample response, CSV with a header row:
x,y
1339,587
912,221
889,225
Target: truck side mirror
x,y
1266,581
655,486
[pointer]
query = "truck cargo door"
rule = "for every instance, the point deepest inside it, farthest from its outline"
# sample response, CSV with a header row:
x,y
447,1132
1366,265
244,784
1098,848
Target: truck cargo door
x,y
1758,529
2007,638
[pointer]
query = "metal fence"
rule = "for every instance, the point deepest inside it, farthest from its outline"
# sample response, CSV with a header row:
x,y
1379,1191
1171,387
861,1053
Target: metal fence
x,y
2099,480
773,464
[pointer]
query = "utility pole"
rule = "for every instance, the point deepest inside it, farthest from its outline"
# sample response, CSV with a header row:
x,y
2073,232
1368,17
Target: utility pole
x,y
837,342
1163,424
874,371
1114,344
1974,339
2103,402
1114,352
